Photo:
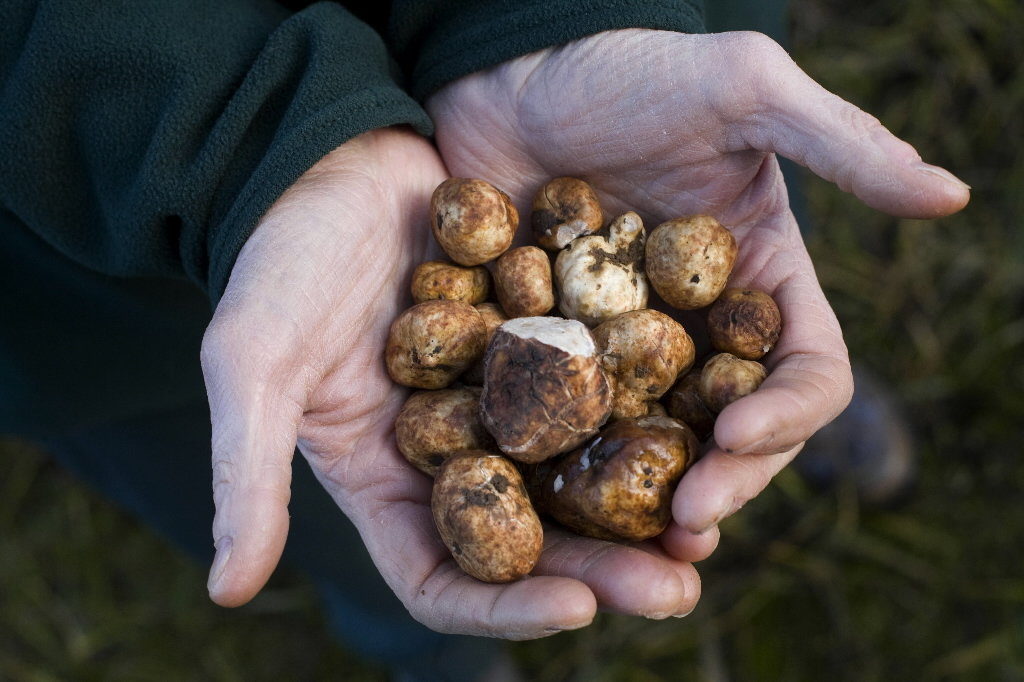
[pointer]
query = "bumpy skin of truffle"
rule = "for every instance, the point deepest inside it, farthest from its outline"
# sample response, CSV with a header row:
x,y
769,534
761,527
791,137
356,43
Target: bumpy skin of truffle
x,y
744,322
433,425
493,316
522,281
619,486
642,352
564,209
485,518
438,280
599,278
542,399
473,221
433,342
689,260
726,378
685,404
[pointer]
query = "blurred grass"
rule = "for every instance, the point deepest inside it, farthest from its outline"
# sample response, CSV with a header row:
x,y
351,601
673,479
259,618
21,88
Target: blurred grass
x,y
804,586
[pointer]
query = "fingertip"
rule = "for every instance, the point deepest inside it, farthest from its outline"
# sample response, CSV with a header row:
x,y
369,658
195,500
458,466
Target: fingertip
x,y
685,545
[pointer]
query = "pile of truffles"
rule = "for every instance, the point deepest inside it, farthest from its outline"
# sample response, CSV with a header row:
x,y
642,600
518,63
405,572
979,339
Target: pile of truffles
x,y
591,418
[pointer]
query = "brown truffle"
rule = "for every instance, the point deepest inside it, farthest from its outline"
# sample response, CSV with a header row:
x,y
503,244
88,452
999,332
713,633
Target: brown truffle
x,y
433,342
493,317
744,322
438,280
685,404
689,260
726,378
544,390
485,518
564,209
433,425
473,221
642,353
619,486
522,282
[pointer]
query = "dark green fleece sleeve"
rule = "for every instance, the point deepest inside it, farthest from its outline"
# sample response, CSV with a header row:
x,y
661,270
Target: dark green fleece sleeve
x,y
147,137
438,41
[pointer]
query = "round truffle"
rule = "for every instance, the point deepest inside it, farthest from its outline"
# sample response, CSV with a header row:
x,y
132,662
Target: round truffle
x,y
433,425
433,342
642,352
484,517
744,322
564,209
689,260
473,221
726,378
544,390
685,404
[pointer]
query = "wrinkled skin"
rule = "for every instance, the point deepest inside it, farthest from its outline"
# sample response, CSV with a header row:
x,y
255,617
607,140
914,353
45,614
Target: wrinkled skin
x,y
690,124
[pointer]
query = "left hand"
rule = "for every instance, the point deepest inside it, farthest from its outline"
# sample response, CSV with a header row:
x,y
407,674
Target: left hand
x,y
669,124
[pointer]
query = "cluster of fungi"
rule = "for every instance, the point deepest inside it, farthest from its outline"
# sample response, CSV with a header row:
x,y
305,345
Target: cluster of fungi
x,y
590,418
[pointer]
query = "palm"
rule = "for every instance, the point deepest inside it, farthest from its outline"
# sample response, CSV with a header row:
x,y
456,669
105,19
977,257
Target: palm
x,y
669,125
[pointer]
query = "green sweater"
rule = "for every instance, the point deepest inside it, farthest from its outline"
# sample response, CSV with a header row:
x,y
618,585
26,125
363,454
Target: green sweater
x,y
141,141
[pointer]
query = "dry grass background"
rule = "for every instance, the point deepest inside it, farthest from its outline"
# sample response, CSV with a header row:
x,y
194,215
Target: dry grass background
x,y
804,586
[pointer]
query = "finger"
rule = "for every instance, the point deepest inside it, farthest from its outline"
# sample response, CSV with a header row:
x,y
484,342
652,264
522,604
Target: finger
x,y
254,430
686,545
799,119
720,483
636,580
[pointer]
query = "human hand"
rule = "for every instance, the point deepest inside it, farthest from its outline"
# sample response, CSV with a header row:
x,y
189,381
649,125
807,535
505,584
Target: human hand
x,y
294,356
669,124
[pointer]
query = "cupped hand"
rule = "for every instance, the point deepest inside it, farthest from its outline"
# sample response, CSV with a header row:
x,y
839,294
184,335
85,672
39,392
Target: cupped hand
x,y
294,357
669,124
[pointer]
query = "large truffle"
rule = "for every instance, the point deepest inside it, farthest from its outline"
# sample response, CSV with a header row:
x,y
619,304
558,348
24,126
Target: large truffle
x,y
484,517
619,486
642,352
473,221
544,390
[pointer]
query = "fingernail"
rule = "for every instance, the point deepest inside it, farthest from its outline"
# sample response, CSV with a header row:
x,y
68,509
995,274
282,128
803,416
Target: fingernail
x,y
684,615
220,562
758,447
942,173
736,506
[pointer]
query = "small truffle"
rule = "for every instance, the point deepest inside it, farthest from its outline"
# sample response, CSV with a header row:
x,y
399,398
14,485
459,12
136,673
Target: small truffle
x,y
726,378
744,322
433,425
522,282
473,221
438,280
433,342
689,260
564,209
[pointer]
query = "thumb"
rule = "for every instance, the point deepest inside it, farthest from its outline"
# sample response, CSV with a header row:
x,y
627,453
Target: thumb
x,y
803,121
254,435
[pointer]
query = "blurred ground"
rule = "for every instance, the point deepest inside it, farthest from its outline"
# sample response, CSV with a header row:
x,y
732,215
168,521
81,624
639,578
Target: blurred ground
x,y
804,586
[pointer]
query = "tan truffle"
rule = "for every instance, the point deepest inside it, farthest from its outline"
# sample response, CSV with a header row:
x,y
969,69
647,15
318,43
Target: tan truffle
x,y
433,425
726,378
689,260
744,322
438,280
619,486
484,517
544,390
433,342
598,277
493,316
685,404
564,209
473,221
522,282
642,353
